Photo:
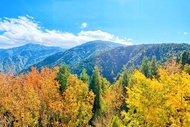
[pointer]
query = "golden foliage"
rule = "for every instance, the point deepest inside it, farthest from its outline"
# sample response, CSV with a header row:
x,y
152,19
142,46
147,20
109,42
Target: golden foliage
x,y
34,99
161,102
78,103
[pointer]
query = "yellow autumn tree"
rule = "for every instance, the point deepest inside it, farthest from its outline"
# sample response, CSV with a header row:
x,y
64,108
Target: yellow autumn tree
x,y
144,97
158,102
114,100
178,101
77,103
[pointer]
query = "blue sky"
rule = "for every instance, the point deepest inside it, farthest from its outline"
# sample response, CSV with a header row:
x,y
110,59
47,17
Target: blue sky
x,y
68,23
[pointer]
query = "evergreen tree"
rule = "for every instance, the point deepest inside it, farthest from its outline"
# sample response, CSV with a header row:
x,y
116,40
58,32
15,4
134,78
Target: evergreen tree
x,y
95,79
132,69
185,58
145,69
84,76
123,80
62,77
153,67
97,85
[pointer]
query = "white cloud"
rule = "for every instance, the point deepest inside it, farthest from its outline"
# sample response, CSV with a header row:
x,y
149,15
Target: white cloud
x,y
24,29
84,25
128,39
185,33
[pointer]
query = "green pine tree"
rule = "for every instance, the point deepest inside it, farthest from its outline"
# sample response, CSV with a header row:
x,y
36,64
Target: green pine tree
x,y
145,67
132,69
84,76
98,85
123,80
62,77
153,67
185,58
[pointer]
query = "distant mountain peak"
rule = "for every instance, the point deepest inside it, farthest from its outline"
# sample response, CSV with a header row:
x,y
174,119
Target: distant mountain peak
x,y
14,60
102,42
33,46
78,53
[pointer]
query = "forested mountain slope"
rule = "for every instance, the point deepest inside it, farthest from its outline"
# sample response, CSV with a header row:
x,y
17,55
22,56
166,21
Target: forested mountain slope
x,y
77,54
14,60
111,62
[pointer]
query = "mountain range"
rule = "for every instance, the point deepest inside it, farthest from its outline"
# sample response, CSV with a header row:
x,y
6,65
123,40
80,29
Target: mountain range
x,y
73,56
111,62
16,59
108,56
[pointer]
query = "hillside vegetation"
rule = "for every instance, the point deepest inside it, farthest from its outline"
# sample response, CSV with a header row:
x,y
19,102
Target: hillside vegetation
x,y
153,95
14,60
77,54
111,62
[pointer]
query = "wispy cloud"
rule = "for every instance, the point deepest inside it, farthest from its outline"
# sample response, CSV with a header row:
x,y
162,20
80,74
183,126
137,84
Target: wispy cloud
x,y
84,25
185,33
24,29
128,39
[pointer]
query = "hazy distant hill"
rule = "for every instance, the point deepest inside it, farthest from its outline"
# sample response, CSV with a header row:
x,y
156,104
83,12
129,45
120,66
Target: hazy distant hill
x,y
77,54
14,60
111,62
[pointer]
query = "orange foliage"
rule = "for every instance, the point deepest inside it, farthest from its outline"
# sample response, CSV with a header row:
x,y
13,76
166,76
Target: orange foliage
x,y
172,67
34,99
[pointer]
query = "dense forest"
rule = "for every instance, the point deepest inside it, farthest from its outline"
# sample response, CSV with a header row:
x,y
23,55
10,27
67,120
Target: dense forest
x,y
151,95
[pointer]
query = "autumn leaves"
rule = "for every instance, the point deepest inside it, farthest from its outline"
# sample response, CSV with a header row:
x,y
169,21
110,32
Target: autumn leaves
x,y
158,102
35,99
153,96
